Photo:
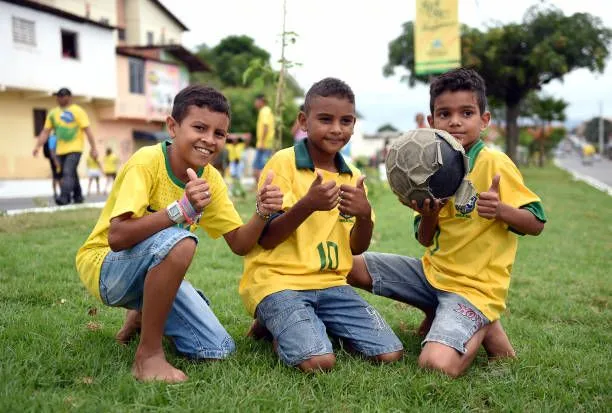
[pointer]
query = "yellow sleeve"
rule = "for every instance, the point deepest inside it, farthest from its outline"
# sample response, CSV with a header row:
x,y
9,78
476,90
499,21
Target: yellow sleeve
x,y
81,117
134,192
220,216
512,189
49,120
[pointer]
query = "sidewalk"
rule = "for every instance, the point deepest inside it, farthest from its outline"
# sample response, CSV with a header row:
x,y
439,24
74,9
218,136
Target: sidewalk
x,y
30,188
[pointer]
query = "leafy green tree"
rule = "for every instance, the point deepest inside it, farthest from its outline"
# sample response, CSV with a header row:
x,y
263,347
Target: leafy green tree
x,y
387,127
544,110
517,58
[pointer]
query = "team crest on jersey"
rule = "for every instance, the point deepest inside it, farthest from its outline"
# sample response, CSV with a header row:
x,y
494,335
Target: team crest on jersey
x,y
67,116
469,207
346,218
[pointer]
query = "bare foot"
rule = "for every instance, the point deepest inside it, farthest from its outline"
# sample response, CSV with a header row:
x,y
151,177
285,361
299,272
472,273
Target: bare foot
x,y
257,331
425,325
130,327
156,368
496,342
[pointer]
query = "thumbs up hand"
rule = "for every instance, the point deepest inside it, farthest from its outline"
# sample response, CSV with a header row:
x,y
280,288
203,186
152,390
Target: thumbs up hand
x,y
269,197
197,191
488,203
322,196
354,201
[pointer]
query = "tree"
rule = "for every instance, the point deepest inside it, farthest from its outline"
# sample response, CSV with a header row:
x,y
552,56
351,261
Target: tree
x,y
518,58
387,127
544,110
231,57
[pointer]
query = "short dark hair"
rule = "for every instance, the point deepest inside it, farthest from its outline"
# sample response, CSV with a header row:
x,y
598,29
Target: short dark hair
x,y
261,96
202,97
456,80
327,87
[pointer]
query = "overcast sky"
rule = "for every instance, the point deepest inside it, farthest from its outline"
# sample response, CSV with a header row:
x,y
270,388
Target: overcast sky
x,y
349,39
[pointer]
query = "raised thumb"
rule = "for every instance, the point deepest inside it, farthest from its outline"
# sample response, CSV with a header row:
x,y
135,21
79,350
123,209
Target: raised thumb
x,y
360,182
318,179
191,174
269,178
495,184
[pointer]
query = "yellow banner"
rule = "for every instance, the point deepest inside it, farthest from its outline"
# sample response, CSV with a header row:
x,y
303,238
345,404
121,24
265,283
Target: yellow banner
x,y
437,38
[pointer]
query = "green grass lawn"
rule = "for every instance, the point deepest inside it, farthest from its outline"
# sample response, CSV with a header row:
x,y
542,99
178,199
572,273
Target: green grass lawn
x,y
57,351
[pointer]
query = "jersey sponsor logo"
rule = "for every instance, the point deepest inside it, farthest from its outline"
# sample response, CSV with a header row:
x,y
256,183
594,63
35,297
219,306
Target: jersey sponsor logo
x,y
67,116
469,207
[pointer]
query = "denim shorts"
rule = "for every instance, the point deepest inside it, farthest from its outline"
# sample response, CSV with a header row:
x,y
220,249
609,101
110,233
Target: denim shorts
x,y
193,327
402,278
261,158
300,321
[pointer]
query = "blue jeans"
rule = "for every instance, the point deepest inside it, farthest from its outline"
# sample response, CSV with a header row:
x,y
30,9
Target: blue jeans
x,y
70,188
402,278
300,321
194,328
261,158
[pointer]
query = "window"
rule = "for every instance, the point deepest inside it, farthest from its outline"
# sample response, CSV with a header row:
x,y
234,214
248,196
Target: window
x,y
136,75
70,45
149,38
24,31
121,34
40,115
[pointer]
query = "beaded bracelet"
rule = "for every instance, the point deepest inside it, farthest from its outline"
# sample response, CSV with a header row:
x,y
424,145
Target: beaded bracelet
x,y
261,215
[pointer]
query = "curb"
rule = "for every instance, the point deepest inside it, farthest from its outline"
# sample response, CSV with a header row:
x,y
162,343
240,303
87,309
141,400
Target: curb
x,y
585,178
12,212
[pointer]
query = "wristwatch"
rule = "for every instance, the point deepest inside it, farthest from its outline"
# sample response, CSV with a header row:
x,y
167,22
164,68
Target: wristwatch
x,y
174,213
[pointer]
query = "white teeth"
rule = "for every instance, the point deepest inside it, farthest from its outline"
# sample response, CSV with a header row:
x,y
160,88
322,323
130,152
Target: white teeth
x,y
204,151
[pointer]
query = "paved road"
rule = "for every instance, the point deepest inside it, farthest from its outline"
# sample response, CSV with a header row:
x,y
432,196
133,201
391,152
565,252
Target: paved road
x,y
600,170
8,204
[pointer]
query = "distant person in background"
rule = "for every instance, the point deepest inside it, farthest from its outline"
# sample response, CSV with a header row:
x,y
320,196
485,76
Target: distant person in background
x,y
264,136
420,121
56,170
94,172
110,165
297,132
70,123
588,152
235,148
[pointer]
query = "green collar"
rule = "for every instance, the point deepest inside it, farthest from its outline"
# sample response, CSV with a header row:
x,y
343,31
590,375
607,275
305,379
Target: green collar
x,y
173,177
473,152
304,161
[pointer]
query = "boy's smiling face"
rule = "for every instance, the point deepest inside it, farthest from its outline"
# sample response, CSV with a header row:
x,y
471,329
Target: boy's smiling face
x,y
458,114
330,122
198,138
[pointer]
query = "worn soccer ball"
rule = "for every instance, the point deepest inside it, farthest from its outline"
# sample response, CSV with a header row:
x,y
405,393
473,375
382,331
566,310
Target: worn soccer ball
x,y
428,164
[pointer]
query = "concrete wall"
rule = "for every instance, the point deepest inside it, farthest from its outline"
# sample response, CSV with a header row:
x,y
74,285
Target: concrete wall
x,y
98,10
42,68
152,19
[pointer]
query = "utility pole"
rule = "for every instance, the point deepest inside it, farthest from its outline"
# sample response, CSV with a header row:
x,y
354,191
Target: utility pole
x,y
601,129
278,104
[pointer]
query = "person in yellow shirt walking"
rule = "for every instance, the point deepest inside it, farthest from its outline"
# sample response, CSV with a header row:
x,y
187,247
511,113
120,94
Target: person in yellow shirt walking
x,y
94,172
142,245
235,149
294,280
265,135
70,124
110,165
462,281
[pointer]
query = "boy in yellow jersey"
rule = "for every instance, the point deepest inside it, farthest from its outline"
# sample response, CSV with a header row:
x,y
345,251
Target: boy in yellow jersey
x,y
265,135
294,281
110,165
70,123
462,281
235,149
94,172
142,245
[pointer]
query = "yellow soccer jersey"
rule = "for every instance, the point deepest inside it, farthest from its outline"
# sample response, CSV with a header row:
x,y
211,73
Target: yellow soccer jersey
x,y
473,256
68,124
234,151
146,185
265,117
318,254
110,163
92,163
